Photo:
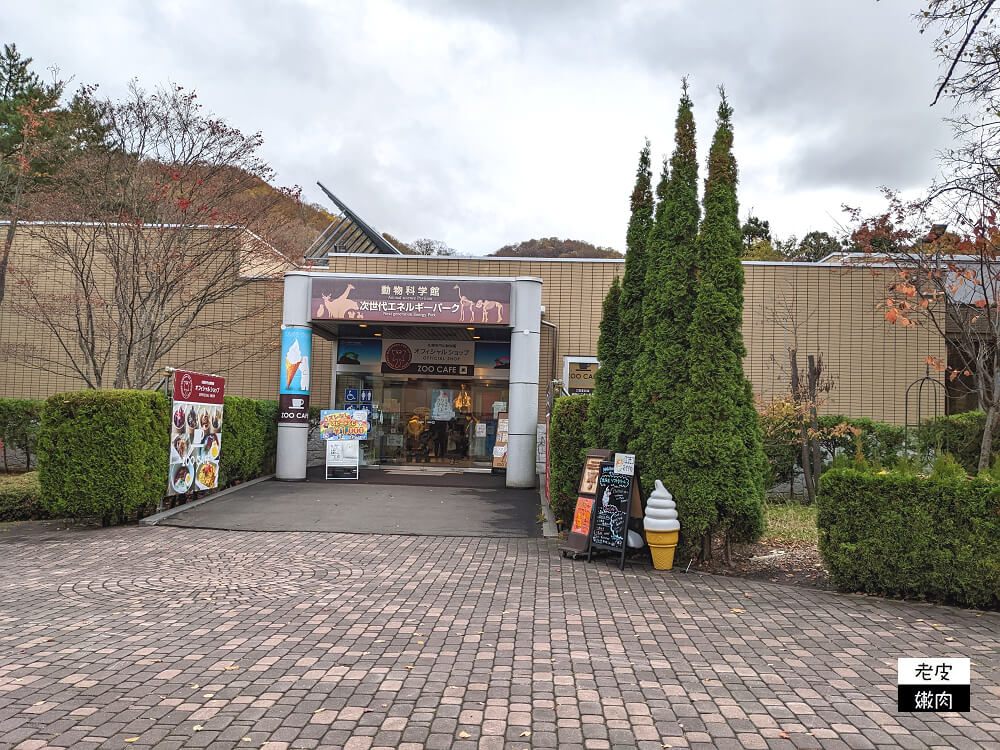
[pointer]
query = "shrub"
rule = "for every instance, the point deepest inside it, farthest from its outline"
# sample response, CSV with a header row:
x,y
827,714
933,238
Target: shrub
x,y
960,434
19,423
21,497
245,436
268,413
911,536
103,453
881,443
567,446
779,426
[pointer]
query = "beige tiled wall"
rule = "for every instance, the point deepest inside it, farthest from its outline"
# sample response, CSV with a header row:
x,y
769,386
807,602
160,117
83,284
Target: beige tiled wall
x,y
824,308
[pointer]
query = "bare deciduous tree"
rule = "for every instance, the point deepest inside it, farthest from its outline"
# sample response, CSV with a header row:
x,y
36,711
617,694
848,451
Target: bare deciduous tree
x,y
148,240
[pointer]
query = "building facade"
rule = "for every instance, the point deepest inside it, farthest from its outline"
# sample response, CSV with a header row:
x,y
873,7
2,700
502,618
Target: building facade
x,y
438,382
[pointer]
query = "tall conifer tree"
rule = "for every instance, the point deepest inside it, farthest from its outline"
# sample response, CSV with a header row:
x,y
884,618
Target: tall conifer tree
x,y
662,371
719,448
600,417
633,290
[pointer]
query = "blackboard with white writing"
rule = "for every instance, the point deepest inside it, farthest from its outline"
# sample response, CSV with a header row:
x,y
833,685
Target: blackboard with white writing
x,y
611,511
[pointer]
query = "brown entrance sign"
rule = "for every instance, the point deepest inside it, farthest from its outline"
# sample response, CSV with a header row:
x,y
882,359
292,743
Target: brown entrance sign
x,y
410,300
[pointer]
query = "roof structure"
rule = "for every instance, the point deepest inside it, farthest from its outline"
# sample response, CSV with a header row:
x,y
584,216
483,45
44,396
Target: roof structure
x,y
348,233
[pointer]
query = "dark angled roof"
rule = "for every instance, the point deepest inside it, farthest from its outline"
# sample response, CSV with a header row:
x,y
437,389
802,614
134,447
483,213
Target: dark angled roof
x,y
349,233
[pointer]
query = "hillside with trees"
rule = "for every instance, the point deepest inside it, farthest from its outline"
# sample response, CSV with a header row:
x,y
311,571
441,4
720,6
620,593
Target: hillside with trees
x,y
554,247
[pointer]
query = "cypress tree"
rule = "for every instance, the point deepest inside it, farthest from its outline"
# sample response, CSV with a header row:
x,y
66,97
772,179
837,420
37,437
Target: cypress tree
x,y
632,292
719,451
600,417
658,397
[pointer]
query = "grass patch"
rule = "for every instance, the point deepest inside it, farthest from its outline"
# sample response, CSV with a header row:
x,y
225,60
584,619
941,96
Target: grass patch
x,y
790,522
20,497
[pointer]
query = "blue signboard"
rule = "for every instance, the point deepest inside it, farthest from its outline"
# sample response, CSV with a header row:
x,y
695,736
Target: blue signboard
x,y
350,395
367,408
366,395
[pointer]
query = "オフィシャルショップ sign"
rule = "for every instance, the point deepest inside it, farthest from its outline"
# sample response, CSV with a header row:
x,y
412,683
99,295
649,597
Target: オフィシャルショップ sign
x,y
195,432
405,300
441,358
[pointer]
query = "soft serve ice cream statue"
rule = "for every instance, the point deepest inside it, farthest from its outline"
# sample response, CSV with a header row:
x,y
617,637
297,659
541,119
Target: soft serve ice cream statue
x,y
662,527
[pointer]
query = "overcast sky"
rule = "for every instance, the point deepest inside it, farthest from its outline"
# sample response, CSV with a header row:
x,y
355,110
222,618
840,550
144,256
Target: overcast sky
x,y
485,123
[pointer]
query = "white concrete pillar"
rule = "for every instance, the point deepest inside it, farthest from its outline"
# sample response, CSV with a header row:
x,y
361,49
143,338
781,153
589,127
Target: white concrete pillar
x,y
522,407
293,411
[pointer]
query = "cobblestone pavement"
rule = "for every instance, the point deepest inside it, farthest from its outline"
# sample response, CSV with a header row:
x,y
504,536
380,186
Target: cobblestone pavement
x,y
185,638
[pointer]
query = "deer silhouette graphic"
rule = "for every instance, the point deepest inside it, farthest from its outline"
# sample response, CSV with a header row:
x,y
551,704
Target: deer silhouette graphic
x,y
466,304
486,305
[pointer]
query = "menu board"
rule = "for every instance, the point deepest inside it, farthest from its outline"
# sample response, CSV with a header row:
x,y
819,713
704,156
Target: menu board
x,y
195,432
578,539
614,492
617,496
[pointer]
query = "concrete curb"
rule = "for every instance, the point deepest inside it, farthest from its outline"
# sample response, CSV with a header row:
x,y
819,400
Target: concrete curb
x,y
157,517
549,528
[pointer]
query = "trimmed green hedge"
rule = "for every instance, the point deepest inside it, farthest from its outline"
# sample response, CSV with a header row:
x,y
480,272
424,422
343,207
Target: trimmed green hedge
x,y
245,432
19,423
960,435
21,497
911,536
103,453
568,446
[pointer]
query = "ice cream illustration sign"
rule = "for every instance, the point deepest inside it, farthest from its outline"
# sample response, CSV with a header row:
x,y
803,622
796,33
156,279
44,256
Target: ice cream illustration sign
x,y
293,390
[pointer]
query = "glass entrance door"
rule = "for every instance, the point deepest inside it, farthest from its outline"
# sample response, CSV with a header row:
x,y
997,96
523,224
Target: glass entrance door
x,y
439,421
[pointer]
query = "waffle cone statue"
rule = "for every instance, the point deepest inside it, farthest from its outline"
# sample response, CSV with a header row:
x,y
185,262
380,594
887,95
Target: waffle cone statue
x,y
662,527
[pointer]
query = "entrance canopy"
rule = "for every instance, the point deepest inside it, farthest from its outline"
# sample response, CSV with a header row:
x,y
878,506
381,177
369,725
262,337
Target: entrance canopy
x,y
434,361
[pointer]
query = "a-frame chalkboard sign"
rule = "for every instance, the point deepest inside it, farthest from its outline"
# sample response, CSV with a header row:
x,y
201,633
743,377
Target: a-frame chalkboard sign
x,y
578,539
617,496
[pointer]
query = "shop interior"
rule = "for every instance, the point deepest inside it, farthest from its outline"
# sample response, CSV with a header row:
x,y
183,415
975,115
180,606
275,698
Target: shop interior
x,y
425,420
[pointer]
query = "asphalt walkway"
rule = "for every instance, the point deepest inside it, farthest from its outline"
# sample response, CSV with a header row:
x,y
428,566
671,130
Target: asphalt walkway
x,y
425,503
171,638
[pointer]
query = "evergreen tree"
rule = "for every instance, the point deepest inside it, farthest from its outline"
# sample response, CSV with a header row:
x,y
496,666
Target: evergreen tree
x,y
662,371
600,418
719,453
633,290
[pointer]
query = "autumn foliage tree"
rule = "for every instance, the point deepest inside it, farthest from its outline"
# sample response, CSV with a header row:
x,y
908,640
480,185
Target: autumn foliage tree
x,y
946,280
148,239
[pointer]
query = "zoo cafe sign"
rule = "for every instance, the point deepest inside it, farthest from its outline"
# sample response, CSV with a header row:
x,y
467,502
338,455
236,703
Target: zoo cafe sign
x,y
411,300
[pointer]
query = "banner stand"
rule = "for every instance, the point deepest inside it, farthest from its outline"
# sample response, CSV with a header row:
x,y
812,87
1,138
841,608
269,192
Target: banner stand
x,y
342,431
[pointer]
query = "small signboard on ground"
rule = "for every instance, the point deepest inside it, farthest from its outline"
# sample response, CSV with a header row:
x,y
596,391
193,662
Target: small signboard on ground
x,y
578,539
617,499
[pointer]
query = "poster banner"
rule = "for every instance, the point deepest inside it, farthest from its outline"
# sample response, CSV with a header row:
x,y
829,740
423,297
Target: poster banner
x,y
411,300
293,388
493,359
195,432
359,355
442,404
296,351
343,424
453,359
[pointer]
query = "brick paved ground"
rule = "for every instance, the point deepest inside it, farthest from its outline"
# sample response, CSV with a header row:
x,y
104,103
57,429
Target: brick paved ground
x,y
171,638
